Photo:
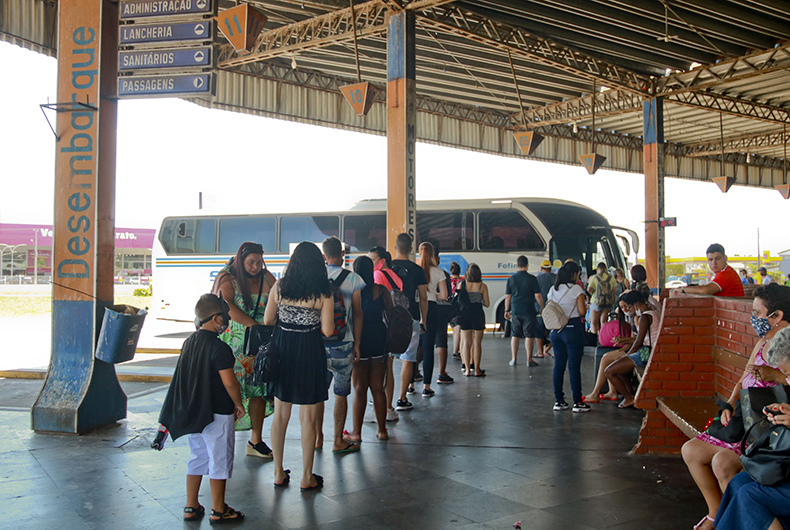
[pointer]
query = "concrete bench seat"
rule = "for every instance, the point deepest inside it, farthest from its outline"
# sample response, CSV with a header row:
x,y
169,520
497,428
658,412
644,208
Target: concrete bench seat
x,y
689,414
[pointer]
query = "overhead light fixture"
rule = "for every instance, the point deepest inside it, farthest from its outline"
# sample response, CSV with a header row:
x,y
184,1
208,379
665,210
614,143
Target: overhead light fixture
x,y
575,128
508,201
293,62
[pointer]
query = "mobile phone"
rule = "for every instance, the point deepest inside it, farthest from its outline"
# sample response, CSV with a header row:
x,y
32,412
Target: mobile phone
x,y
768,411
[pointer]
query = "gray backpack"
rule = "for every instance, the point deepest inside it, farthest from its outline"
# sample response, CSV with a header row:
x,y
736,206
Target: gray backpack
x,y
553,315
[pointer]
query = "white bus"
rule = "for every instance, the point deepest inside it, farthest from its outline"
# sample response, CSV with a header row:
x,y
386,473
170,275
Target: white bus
x,y
189,250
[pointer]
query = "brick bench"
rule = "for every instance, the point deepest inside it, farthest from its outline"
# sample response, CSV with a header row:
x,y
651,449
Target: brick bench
x,y
703,346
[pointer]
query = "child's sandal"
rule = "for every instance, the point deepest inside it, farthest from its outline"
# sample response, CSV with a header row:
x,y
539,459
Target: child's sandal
x,y
228,516
194,513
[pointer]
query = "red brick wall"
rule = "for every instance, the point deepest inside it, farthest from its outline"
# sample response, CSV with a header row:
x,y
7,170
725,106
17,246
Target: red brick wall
x,y
682,363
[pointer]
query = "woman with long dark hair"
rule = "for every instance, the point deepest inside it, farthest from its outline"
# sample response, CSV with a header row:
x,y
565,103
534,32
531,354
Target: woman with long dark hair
x,y
371,368
301,306
568,342
473,321
245,283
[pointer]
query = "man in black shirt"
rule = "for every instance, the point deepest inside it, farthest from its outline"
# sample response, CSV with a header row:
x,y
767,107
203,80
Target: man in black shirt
x,y
415,287
521,294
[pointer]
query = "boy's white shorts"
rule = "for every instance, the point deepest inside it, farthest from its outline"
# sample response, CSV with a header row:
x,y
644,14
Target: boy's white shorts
x,y
212,449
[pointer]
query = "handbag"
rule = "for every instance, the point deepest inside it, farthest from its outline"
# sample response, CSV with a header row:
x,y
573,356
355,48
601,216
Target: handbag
x,y
765,452
267,362
755,399
257,335
734,430
553,315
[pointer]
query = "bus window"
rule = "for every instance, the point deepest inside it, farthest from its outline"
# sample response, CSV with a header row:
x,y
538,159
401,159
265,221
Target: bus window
x,y
363,232
507,230
188,236
446,230
233,231
313,228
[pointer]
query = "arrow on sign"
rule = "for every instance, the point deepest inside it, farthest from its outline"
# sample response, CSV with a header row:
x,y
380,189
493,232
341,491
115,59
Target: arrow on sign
x,y
201,4
199,56
198,82
199,29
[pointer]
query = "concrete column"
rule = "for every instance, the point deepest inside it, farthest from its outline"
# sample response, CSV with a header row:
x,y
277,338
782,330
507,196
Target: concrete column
x,y
81,392
401,127
655,254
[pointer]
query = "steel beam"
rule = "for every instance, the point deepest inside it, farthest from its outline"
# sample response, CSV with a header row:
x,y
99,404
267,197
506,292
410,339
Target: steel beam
x,y
732,106
469,25
655,254
607,103
738,144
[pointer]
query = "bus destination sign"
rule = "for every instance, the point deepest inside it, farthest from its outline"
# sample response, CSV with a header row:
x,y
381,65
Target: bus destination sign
x,y
159,58
131,9
183,31
166,85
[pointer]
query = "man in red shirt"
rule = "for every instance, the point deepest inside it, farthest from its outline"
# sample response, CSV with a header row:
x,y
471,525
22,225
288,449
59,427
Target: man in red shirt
x,y
726,281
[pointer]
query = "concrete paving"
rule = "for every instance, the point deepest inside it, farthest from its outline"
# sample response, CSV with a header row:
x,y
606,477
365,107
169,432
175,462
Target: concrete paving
x,y
484,453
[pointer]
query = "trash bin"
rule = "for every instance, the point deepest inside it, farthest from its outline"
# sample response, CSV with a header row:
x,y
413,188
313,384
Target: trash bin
x,y
120,331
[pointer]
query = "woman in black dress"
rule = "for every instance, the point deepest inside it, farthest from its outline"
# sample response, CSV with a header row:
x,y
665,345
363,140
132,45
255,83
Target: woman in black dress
x,y
301,306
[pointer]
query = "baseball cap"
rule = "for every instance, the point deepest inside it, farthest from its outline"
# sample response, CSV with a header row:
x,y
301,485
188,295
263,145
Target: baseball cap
x,y
762,269
545,264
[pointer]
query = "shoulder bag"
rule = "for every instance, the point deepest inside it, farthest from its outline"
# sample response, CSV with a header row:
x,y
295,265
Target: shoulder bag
x,y
765,452
257,335
553,315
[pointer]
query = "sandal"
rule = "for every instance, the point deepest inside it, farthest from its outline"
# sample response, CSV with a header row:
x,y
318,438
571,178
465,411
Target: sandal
x,y
383,436
348,438
706,518
285,481
604,397
584,398
319,483
196,513
352,447
481,374
228,516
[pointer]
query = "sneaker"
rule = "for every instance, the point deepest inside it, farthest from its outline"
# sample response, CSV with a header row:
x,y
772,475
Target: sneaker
x,y
428,393
512,363
410,391
456,356
560,405
445,380
259,449
370,416
580,407
418,377
392,415
406,405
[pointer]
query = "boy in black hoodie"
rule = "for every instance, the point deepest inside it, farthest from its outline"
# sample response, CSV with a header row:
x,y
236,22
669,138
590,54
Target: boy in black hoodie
x,y
203,402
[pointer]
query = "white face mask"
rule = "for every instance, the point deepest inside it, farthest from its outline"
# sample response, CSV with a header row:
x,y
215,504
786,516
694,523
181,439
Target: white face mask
x,y
638,312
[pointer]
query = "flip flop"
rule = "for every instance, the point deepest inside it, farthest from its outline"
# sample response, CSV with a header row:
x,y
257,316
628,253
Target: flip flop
x,y
353,447
603,397
319,483
351,440
285,481
383,436
590,400
196,513
481,374
539,356
620,406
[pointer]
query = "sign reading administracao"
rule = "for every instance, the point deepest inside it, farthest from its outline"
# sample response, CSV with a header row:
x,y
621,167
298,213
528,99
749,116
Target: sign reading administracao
x,y
154,59
184,31
158,8
166,85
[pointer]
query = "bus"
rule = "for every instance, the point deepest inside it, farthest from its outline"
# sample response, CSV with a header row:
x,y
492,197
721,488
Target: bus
x,y
190,250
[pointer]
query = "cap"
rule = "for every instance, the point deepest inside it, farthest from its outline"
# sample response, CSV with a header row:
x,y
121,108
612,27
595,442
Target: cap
x,y
762,269
545,264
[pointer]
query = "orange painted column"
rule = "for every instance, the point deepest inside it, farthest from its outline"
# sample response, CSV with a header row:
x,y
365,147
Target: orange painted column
x,y
655,254
401,128
81,392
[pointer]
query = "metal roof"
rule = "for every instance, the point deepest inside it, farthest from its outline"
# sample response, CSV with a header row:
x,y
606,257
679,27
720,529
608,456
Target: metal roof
x,y
720,65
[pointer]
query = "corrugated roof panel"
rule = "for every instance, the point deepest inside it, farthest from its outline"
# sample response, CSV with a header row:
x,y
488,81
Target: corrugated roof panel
x,y
31,24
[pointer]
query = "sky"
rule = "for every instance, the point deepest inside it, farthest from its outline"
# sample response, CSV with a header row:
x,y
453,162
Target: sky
x,y
170,150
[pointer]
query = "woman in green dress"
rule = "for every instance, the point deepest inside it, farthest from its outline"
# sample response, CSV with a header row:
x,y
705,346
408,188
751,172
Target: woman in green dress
x,y
245,283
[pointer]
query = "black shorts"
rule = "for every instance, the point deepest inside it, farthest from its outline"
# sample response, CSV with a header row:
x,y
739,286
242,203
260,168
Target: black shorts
x,y
524,326
473,318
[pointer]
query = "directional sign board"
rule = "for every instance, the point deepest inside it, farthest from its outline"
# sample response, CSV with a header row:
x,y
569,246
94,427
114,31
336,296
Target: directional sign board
x,y
159,8
156,59
166,85
241,25
668,221
152,33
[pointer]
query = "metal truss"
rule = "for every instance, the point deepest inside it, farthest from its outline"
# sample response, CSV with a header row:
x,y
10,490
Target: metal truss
x,y
764,162
468,25
607,103
327,83
738,144
745,67
730,105
367,19
588,135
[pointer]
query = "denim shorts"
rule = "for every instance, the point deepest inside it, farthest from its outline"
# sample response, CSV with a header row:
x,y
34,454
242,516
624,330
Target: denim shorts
x,y
339,362
410,355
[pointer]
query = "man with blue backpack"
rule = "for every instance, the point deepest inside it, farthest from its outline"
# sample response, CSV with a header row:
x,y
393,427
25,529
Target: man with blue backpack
x,y
343,346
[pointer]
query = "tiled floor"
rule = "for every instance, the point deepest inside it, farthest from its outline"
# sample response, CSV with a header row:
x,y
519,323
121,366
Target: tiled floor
x,y
483,453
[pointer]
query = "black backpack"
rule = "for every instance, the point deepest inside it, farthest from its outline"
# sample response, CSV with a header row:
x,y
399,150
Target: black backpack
x,y
339,311
408,282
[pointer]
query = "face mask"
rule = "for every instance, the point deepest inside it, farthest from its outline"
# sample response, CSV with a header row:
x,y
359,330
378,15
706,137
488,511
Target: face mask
x,y
638,312
631,314
760,325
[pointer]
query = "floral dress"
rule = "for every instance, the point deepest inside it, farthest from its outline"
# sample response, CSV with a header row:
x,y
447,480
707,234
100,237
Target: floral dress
x,y
748,382
234,337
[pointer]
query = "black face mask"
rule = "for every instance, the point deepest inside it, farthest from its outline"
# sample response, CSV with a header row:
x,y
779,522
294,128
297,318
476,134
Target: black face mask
x,y
225,314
